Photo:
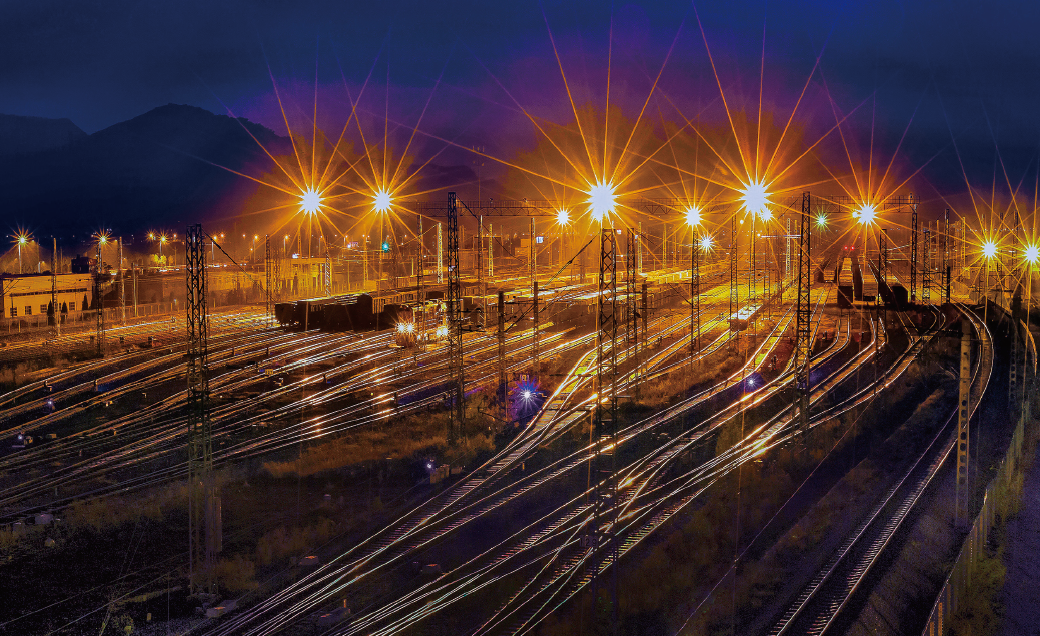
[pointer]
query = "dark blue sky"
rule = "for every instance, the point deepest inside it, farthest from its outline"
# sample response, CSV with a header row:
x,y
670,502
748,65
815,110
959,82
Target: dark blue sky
x,y
963,66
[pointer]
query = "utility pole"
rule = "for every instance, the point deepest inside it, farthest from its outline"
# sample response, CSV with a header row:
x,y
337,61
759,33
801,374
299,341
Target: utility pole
x,y
133,267
803,315
913,249
631,304
962,496
456,378
535,366
601,540
534,300
695,299
503,381
946,257
122,286
639,250
99,310
56,312
926,279
420,284
267,277
440,255
204,523
481,279
734,282
644,319
328,271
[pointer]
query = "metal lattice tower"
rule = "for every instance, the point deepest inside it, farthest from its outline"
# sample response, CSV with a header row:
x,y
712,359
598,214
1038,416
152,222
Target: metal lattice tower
x,y
277,280
926,269
631,303
491,253
503,380
883,255
268,305
803,314
695,298
455,369
328,272
787,255
639,249
203,521
945,273
419,268
644,319
535,363
962,495
734,290
913,249
440,254
364,264
601,534
481,278
99,308
533,263
631,308
882,272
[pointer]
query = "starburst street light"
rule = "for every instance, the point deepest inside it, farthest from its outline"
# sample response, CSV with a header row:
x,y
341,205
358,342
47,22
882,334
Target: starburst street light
x,y
989,249
821,220
707,243
755,197
1032,254
310,201
602,200
866,213
563,217
21,239
693,217
381,201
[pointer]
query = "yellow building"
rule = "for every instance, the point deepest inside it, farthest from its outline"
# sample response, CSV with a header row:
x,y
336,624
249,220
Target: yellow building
x,y
28,296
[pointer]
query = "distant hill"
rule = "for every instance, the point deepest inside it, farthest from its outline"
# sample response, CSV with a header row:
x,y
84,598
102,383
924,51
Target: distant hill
x,y
161,168
20,135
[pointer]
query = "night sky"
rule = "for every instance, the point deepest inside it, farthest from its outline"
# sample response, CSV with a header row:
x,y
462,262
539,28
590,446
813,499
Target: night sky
x,y
953,75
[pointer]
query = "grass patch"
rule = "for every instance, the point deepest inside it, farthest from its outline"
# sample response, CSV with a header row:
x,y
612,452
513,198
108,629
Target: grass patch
x,y
404,437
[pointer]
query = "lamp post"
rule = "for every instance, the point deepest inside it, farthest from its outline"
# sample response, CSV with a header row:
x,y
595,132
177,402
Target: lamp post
x,y
693,220
1032,255
22,239
989,251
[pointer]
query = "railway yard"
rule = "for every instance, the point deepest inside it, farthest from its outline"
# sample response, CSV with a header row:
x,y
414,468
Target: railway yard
x,y
351,502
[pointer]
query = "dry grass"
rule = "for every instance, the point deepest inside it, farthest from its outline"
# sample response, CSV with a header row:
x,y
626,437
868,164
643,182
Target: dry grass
x,y
398,438
281,542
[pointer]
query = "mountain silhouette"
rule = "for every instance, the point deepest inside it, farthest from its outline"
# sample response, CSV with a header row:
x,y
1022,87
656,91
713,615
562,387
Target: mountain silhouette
x,y
165,168
21,135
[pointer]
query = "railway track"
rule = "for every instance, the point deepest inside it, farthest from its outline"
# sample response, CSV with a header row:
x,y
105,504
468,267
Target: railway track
x,y
819,603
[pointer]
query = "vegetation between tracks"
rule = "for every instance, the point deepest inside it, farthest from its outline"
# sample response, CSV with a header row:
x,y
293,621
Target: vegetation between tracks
x,y
395,438
697,550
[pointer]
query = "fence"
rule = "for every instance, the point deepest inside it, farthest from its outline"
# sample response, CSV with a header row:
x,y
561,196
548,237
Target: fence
x,y
113,316
994,503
